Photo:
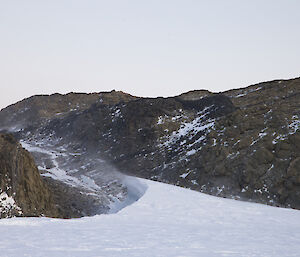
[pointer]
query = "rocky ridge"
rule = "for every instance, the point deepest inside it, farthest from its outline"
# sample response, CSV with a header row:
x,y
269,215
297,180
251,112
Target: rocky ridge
x,y
241,144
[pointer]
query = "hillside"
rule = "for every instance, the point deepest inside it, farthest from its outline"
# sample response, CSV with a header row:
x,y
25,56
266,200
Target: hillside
x,y
241,144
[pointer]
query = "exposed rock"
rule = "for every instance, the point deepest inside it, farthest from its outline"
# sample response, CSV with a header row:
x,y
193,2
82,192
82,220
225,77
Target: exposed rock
x,y
242,144
36,110
71,202
22,191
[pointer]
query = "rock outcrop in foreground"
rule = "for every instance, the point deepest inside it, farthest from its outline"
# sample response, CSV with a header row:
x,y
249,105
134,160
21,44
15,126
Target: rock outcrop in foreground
x,y
242,144
22,191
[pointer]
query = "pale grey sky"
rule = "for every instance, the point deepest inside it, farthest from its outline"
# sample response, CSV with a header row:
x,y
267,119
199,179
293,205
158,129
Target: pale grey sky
x,y
144,47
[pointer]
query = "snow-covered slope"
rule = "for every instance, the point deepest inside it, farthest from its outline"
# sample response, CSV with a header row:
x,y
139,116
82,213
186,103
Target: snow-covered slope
x,y
166,221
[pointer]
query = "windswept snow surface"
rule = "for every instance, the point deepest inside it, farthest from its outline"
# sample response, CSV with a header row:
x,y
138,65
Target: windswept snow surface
x,y
87,173
166,221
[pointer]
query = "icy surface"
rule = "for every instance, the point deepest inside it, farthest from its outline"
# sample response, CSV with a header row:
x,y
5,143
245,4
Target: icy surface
x,y
166,221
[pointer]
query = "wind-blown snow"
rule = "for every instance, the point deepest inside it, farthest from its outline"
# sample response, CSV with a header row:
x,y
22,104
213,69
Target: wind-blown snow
x,y
89,174
166,221
56,172
135,190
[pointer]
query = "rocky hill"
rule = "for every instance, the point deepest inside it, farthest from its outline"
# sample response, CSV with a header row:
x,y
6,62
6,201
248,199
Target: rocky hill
x,y
241,144
36,110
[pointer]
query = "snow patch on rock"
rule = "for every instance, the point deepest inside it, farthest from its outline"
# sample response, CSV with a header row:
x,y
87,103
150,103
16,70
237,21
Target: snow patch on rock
x,y
8,204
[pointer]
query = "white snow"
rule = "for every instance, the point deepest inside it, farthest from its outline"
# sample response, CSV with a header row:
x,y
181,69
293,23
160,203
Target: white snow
x,y
272,166
215,142
260,136
194,126
184,175
135,188
295,125
191,128
279,138
166,221
105,188
116,114
160,120
191,152
233,155
7,203
240,95
60,174
247,92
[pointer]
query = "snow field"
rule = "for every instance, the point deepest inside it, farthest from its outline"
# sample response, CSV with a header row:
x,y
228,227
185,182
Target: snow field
x,y
165,221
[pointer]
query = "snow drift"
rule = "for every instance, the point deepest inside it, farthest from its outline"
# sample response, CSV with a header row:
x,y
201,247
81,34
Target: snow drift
x,y
166,221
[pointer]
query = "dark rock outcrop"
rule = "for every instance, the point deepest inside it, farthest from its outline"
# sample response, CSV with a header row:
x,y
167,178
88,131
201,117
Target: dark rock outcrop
x,y
22,191
34,111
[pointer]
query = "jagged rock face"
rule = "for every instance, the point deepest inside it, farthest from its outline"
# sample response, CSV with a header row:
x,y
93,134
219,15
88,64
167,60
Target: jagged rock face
x,y
241,144
22,191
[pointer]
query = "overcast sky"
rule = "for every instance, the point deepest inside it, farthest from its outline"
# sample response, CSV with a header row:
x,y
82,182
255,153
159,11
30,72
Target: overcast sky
x,y
144,47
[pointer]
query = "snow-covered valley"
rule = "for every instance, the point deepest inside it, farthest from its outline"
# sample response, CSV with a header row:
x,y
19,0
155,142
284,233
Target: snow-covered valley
x,y
166,221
